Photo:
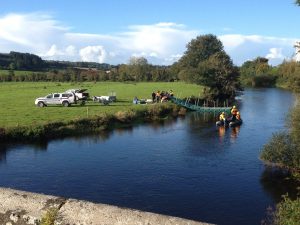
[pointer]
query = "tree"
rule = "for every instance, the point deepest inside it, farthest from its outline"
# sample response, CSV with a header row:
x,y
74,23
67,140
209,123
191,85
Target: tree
x,y
138,61
200,49
138,68
220,75
298,2
206,63
258,73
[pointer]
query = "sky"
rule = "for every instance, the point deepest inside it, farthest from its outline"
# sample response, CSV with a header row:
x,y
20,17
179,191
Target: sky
x,y
112,31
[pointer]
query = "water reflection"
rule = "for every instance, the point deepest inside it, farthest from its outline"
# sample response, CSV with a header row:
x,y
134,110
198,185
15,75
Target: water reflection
x,y
222,130
202,125
277,182
6,148
97,138
184,167
3,150
233,131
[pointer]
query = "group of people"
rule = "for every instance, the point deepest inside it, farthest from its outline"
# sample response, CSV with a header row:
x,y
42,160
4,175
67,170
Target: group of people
x,y
161,96
235,116
156,97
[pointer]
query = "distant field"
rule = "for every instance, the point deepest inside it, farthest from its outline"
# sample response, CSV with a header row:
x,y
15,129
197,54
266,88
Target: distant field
x,y
17,99
18,72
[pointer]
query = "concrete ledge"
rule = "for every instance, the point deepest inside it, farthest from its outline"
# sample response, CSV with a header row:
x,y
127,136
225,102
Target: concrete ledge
x,y
22,208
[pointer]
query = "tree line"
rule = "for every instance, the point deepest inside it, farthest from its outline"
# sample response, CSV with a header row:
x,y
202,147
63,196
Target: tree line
x,y
122,73
258,73
27,61
204,62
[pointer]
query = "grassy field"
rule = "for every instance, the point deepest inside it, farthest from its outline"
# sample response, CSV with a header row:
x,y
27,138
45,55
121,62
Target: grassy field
x,y
18,72
17,99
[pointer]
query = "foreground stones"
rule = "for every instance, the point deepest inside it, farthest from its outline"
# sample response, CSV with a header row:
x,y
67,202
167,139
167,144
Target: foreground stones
x,y
22,208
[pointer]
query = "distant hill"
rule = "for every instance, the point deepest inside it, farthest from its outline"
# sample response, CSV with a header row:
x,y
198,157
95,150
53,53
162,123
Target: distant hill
x,y
27,61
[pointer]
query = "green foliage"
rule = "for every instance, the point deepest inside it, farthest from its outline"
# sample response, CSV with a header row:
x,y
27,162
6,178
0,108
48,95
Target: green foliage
x,y
31,67
298,2
200,49
282,151
219,74
205,62
50,217
284,147
126,116
264,81
258,73
294,124
288,212
289,75
21,61
121,73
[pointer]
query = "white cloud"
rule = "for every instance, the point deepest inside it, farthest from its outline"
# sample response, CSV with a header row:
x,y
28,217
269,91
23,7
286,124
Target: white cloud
x,y
93,54
30,31
160,43
275,53
71,50
245,47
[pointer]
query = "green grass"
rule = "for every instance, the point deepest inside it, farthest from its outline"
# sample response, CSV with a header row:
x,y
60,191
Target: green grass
x,y
18,72
18,109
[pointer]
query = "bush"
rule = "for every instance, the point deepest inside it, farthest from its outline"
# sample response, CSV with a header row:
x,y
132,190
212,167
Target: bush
x,y
284,147
281,151
125,116
287,212
50,217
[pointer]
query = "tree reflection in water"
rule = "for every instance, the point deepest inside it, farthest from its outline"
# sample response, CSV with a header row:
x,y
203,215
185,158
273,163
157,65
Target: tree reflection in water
x,y
277,182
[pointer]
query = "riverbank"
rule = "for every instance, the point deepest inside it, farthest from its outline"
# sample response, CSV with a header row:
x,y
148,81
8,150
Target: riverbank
x,y
18,109
283,152
89,125
21,120
23,208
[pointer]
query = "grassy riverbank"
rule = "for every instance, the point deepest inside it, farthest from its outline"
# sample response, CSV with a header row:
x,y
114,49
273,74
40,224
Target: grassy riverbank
x,y
18,109
21,120
283,151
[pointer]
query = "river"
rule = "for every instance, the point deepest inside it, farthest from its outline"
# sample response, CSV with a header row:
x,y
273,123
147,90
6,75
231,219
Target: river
x,y
185,167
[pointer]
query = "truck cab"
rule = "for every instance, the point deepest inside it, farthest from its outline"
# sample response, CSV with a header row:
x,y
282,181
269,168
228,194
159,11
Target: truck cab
x,y
65,99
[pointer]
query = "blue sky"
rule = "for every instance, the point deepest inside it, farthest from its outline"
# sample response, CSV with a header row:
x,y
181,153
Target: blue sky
x,y
113,31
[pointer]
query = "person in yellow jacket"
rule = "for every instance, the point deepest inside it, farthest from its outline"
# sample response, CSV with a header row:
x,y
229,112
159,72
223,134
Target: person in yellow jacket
x,y
222,117
238,116
234,112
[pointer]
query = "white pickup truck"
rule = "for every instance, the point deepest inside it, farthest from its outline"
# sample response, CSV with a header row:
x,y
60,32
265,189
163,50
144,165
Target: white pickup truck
x,y
72,96
65,99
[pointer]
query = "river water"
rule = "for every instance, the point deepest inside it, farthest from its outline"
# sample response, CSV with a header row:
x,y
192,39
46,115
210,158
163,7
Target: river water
x,y
185,167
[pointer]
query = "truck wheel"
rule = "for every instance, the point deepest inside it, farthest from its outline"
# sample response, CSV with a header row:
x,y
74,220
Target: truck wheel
x,y
41,104
66,104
